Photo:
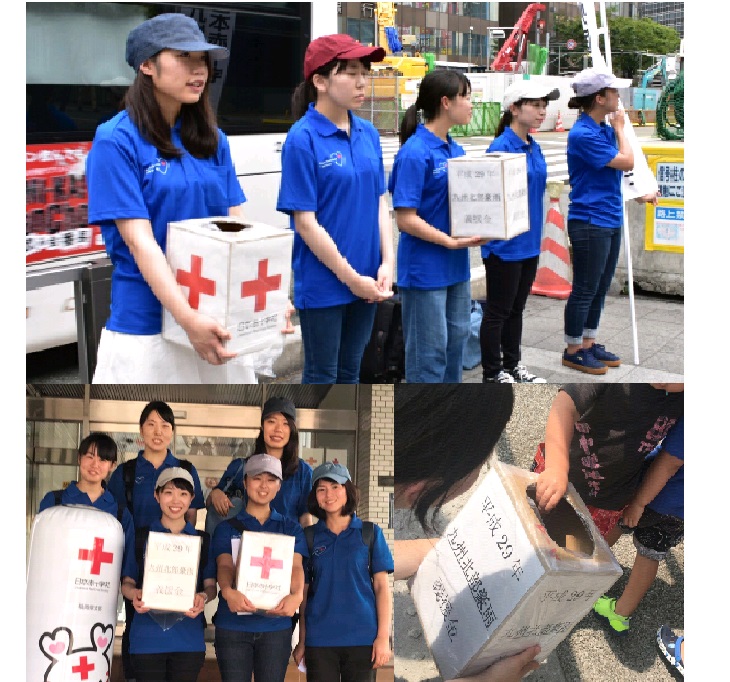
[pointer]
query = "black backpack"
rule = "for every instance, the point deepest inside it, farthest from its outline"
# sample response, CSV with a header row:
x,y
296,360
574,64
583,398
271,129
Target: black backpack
x,y
368,537
129,469
57,500
384,358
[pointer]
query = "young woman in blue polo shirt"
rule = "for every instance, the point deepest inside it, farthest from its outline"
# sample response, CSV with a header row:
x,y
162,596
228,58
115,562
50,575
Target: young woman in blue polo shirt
x,y
161,159
333,187
337,642
433,267
598,155
173,653
511,264
279,438
247,642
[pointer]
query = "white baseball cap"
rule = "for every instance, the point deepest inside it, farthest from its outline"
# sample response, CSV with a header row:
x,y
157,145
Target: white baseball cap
x,y
592,80
529,89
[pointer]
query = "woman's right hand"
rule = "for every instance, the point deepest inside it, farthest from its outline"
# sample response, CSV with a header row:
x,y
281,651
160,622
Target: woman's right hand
x,y
550,488
298,653
207,337
618,119
510,669
367,288
220,501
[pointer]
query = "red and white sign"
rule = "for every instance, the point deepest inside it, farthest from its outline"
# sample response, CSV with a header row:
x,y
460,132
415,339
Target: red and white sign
x,y
56,203
264,568
236,272
570,44
74,565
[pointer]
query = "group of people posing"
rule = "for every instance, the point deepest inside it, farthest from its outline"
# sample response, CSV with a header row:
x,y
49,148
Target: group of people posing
x,y
338,565
163,158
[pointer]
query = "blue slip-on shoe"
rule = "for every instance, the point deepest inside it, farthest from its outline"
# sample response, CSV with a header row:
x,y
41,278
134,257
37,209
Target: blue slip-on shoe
x,y
599,352
671,647
584,361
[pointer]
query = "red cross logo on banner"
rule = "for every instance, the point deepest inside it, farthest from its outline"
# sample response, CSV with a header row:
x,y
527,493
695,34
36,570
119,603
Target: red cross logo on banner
x,y
196,283
97,556
266,562
83,668
261,286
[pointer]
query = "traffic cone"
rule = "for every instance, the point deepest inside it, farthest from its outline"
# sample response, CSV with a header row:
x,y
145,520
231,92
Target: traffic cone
x,y
559,127
554,274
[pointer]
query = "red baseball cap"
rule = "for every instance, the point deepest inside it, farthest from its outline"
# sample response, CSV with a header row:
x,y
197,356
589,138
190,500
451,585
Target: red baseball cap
x,y
337,46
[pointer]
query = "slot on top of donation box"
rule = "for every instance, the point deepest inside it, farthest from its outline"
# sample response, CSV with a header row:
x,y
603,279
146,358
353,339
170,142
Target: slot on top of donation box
x,y
229,224
488,195
505,576
171,571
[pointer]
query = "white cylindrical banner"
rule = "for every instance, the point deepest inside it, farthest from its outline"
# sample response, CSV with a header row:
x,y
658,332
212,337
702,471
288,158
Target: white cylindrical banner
x,y
72,586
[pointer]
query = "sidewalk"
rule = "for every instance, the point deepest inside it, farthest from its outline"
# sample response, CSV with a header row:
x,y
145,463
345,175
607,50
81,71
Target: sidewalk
x,y
659,330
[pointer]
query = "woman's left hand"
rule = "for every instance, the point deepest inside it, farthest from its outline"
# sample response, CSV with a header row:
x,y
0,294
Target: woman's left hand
x,y
651,198
385,277
198,605
381,652
287,606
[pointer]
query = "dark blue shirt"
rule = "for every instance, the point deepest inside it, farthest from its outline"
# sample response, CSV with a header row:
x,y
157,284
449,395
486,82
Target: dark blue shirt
x,y
527,244
420,180
595,189
342,610
670,499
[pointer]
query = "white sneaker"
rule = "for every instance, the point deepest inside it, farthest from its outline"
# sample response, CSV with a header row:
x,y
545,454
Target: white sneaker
x,y
501,378
520,375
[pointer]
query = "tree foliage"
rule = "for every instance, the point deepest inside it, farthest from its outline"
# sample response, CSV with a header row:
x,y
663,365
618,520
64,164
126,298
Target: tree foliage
x,y
629,38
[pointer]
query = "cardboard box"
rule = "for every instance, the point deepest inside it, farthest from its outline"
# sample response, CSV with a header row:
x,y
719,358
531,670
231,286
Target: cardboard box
x,y
502,578
488,196
236,272
264,568
171,571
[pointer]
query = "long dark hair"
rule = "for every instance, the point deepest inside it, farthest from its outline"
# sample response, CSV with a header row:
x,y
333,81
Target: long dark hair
x,y
442,433
434,86
198,132
290,456
305,92
587,102
162,408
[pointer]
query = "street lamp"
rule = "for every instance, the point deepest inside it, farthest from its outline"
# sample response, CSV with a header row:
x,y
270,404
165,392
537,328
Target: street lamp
x,y
468,67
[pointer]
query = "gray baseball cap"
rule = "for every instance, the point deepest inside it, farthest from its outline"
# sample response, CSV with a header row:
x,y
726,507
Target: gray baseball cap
x,y
594,79
172,31
171,473
259,464
337,472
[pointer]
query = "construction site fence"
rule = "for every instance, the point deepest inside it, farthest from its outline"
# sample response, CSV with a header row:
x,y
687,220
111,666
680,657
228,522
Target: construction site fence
x,y
390,94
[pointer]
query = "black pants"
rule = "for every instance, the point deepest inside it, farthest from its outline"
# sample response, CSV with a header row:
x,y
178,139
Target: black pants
x,y
181,666
500,336
126,658
339,663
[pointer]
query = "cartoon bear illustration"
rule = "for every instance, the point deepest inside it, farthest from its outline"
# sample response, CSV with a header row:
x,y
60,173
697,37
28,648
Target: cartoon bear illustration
x,y
90,664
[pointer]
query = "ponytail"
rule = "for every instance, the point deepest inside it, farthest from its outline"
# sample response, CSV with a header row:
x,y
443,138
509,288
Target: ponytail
x,y
504,123
303,94
408,124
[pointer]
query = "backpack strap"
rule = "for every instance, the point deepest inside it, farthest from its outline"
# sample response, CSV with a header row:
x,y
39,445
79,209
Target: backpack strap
x,y
57,497
237,524
368,537
140,542
129,469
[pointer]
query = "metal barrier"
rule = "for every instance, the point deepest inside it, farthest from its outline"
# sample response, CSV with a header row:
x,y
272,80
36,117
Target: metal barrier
x,y
484,120
382,104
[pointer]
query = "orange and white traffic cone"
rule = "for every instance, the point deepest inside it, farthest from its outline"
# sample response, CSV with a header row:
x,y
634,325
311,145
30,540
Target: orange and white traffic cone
x,y
554,275
559,127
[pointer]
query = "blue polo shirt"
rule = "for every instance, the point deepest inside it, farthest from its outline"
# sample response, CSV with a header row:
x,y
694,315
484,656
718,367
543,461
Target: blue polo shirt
x,y
340,178
105,502
595,189
224,533
146,635
145,508
527,244
342,610
670,499
290,501
420,180
127,179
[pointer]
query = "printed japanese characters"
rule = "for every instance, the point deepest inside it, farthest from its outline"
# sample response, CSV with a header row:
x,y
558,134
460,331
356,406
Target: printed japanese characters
x,y
502,578
264,568
170,571
236,272
488,196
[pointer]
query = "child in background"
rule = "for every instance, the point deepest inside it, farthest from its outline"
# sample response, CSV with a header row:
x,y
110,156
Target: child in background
x,y
657,516
176,654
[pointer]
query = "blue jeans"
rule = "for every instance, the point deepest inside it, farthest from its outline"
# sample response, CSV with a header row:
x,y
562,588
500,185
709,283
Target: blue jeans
x,y
435,327
334,340
265,654
595,255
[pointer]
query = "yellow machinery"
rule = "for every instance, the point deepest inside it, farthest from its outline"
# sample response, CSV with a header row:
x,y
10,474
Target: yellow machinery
x,y
410,67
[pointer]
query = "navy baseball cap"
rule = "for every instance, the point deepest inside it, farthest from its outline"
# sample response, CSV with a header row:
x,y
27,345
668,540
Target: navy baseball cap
x,y
283,405
170,31
337,472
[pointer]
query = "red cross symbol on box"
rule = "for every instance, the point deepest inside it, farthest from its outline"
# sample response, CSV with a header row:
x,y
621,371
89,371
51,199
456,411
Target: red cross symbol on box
x,y
266,562
261,286
83,668
196,283
97,556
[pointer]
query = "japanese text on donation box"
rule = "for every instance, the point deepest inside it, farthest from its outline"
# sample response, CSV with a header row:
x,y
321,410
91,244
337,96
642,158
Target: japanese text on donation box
x,y
488,196
171,571
264,568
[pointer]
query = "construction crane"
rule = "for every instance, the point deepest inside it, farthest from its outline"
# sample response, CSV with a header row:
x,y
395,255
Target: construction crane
x,y
412,67
515,45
